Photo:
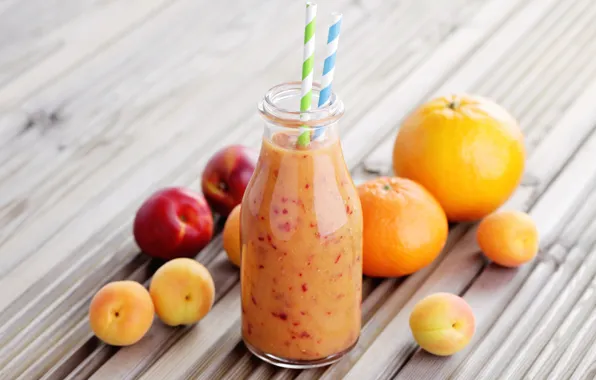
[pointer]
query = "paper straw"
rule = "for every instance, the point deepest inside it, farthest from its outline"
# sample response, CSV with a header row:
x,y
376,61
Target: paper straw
x,y
307,68
329,65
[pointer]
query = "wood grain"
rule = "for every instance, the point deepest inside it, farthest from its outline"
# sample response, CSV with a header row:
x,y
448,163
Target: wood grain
x,y
101,103
564,350
501,283
371,142
350,152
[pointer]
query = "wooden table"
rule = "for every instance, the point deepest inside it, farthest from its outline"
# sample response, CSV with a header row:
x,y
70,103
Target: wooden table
x,y
103,102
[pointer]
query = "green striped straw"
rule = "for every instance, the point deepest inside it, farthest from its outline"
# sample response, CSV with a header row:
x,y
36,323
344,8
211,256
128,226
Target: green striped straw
x,y
307,69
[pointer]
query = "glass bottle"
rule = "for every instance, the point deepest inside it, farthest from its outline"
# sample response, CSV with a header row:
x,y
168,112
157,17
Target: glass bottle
x,y
301,232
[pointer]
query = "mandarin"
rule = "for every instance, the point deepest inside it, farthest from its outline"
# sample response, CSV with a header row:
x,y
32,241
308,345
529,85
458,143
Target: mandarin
x,y
405,227
509,238
465,150
231,236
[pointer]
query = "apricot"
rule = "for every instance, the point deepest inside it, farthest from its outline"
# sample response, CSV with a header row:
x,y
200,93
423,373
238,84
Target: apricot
x,y
182,291
121,313
442,323
509,238
231,237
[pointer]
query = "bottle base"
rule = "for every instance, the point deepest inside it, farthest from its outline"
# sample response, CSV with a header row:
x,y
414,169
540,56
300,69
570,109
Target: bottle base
x,y
297,364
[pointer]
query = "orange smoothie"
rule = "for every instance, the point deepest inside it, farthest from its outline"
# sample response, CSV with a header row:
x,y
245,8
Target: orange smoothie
x,y
301,272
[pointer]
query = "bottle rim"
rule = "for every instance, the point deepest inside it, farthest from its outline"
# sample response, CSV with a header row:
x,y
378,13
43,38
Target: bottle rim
x,y
322,116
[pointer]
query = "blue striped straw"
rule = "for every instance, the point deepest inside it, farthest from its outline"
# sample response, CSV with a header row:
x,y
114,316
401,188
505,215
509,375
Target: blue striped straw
x,y
329,65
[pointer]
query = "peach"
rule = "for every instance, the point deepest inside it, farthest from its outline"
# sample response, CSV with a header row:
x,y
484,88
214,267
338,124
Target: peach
x,y
509,238
121,313
442,323
231,236
182,291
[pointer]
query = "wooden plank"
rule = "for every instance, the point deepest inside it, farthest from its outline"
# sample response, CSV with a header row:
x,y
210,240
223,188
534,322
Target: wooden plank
x,y
377,310
551,320
483,347
575,353
380,355
265,371
56,324
373,297
573,230
39,348
498,59
558,101
444,52
255,136
523,83
509,342
200,337
586,370
25,27
144,353
564,351
237,137
66,278
501,283
134,155
28,64
578,115
126,71
237,365
192,72
123,134
224,276
383,352
558,76
385,116
244,101
373,327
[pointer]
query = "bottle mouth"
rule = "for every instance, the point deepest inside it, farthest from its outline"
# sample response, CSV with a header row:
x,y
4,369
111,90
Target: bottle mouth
x,y
281,105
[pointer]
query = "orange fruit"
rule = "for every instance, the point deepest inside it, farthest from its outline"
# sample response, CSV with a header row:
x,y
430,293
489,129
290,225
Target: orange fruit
x,y
405,228
509,238
466,150
231,236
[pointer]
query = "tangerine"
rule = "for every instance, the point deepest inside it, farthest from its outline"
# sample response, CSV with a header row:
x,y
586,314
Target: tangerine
x,y
231,236
404,227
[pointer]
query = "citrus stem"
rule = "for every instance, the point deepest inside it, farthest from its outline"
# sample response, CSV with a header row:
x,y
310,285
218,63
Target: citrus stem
x,y
454,104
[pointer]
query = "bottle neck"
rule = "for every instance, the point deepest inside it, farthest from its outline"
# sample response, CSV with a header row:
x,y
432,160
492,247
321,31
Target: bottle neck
x,y
281,106
289,137
284,123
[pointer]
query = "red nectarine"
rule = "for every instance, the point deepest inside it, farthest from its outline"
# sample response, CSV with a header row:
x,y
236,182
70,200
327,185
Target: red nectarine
x,y
226,176
173,222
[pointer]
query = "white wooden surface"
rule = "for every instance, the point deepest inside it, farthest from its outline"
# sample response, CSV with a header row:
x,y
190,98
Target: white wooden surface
x,y
102,102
